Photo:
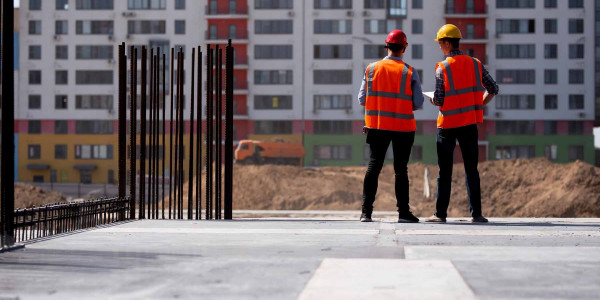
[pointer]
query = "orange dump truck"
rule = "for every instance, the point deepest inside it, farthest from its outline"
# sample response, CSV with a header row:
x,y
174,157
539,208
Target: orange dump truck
x,y
279,153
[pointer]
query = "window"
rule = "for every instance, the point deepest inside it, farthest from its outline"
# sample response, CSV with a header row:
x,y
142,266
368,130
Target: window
x,y
62,52
60,151
515,51
332,102
35,77
575,127
212,7
146,4
232,31
550,51
95,4
179,4
61,27
272,102
417,4
576,152
62,4
274,4
180,27
273,51
328,4
61,126
515,127
273,27
550,26
35,27
94,27
93,77
375,51
512,152
60,102
551,152
417,51
273,77
370,4
516,76
550,127
575,3
34,151
550,102
332,76
550,3
417,26
576,76
470,32
35,52
35,101
515,26
146,27
333,26
515,3
576,51
272,127
94,52
35,4
550,76
342,152
212,32
94,102
396,9
111,176
94,127
61,77
515,102
575,101
85,176
381,26
575,25
332,51
232,7
333,127
34,126
93,151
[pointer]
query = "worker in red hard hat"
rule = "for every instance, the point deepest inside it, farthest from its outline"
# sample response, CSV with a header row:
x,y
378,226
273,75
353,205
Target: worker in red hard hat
x,y
390,92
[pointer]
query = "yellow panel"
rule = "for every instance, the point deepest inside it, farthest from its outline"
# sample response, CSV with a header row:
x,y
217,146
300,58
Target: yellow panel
x,y
289,138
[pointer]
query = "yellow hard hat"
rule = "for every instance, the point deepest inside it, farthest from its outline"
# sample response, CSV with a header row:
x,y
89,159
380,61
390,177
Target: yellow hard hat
x,y
448,31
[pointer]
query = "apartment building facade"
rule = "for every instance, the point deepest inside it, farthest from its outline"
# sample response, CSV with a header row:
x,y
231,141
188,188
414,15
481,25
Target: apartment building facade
x,y
299,65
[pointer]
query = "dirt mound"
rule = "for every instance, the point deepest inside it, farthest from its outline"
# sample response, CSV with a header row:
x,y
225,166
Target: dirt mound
x,y
28,195
510,188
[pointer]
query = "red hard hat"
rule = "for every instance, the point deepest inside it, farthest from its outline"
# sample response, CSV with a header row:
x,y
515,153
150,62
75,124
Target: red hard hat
x,y
396,37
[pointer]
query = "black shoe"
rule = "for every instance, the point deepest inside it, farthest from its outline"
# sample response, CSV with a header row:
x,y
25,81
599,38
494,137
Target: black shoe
x,y
480,219
435,219
407,217
366,217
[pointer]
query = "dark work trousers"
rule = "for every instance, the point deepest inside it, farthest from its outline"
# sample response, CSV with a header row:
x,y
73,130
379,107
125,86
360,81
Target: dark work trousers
x,y
379,141
446,141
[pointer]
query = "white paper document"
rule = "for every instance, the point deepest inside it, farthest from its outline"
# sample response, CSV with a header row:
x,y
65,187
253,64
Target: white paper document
x,y
428,94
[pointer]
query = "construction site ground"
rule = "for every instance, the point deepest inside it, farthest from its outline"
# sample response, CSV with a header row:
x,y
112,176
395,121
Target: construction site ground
x,y
311,255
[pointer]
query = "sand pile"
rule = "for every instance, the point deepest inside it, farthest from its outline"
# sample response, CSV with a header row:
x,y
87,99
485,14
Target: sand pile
x,y
28,195
510,188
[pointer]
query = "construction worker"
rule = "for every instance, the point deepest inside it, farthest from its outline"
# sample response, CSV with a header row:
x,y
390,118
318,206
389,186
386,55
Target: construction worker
x,y
390,91
459,94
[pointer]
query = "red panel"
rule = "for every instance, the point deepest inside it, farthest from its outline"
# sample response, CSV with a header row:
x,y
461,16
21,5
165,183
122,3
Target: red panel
x,y
243,128
539,127
22,126
71,125
223,28
482,153
240,105
357,126
296,126
588,127
562,127
309,127
47,126
429,127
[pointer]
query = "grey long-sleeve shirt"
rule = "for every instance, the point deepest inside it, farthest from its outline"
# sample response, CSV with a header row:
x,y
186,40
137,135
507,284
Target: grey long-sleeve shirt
x,y
415,85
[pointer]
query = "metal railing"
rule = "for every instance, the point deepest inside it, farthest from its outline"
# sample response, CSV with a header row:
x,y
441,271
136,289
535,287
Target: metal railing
x,y
48,220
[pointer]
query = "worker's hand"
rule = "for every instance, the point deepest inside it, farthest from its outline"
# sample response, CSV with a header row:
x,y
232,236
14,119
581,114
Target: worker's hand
x,y
431,101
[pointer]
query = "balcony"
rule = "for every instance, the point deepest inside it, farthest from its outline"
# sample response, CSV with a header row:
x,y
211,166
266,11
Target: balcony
x,y
230,12
475,38
463,12
222,37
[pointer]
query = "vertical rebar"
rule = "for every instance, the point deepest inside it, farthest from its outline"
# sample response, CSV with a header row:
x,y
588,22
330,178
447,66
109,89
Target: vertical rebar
x,y
156,129
122,143
219,133
143,135
199,138
164,95
177,145
228,199
209,138
172,92
181,133
132,128
151,137
191,157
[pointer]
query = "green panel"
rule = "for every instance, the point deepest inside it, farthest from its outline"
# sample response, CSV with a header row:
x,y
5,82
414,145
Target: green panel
x,y
540,141
358,148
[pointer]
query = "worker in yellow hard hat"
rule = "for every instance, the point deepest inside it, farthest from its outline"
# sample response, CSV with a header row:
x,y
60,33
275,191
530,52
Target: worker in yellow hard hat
x,y
463,87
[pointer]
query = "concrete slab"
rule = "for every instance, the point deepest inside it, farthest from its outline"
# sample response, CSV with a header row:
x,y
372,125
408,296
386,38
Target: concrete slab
x,y
386,279
517,254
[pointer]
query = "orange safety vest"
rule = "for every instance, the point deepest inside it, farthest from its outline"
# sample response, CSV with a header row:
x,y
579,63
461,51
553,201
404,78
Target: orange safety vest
x,y
463,102
389,104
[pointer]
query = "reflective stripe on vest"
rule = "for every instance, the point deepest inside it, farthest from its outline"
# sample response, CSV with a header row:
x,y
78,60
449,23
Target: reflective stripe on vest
x,y
385,109
470,107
